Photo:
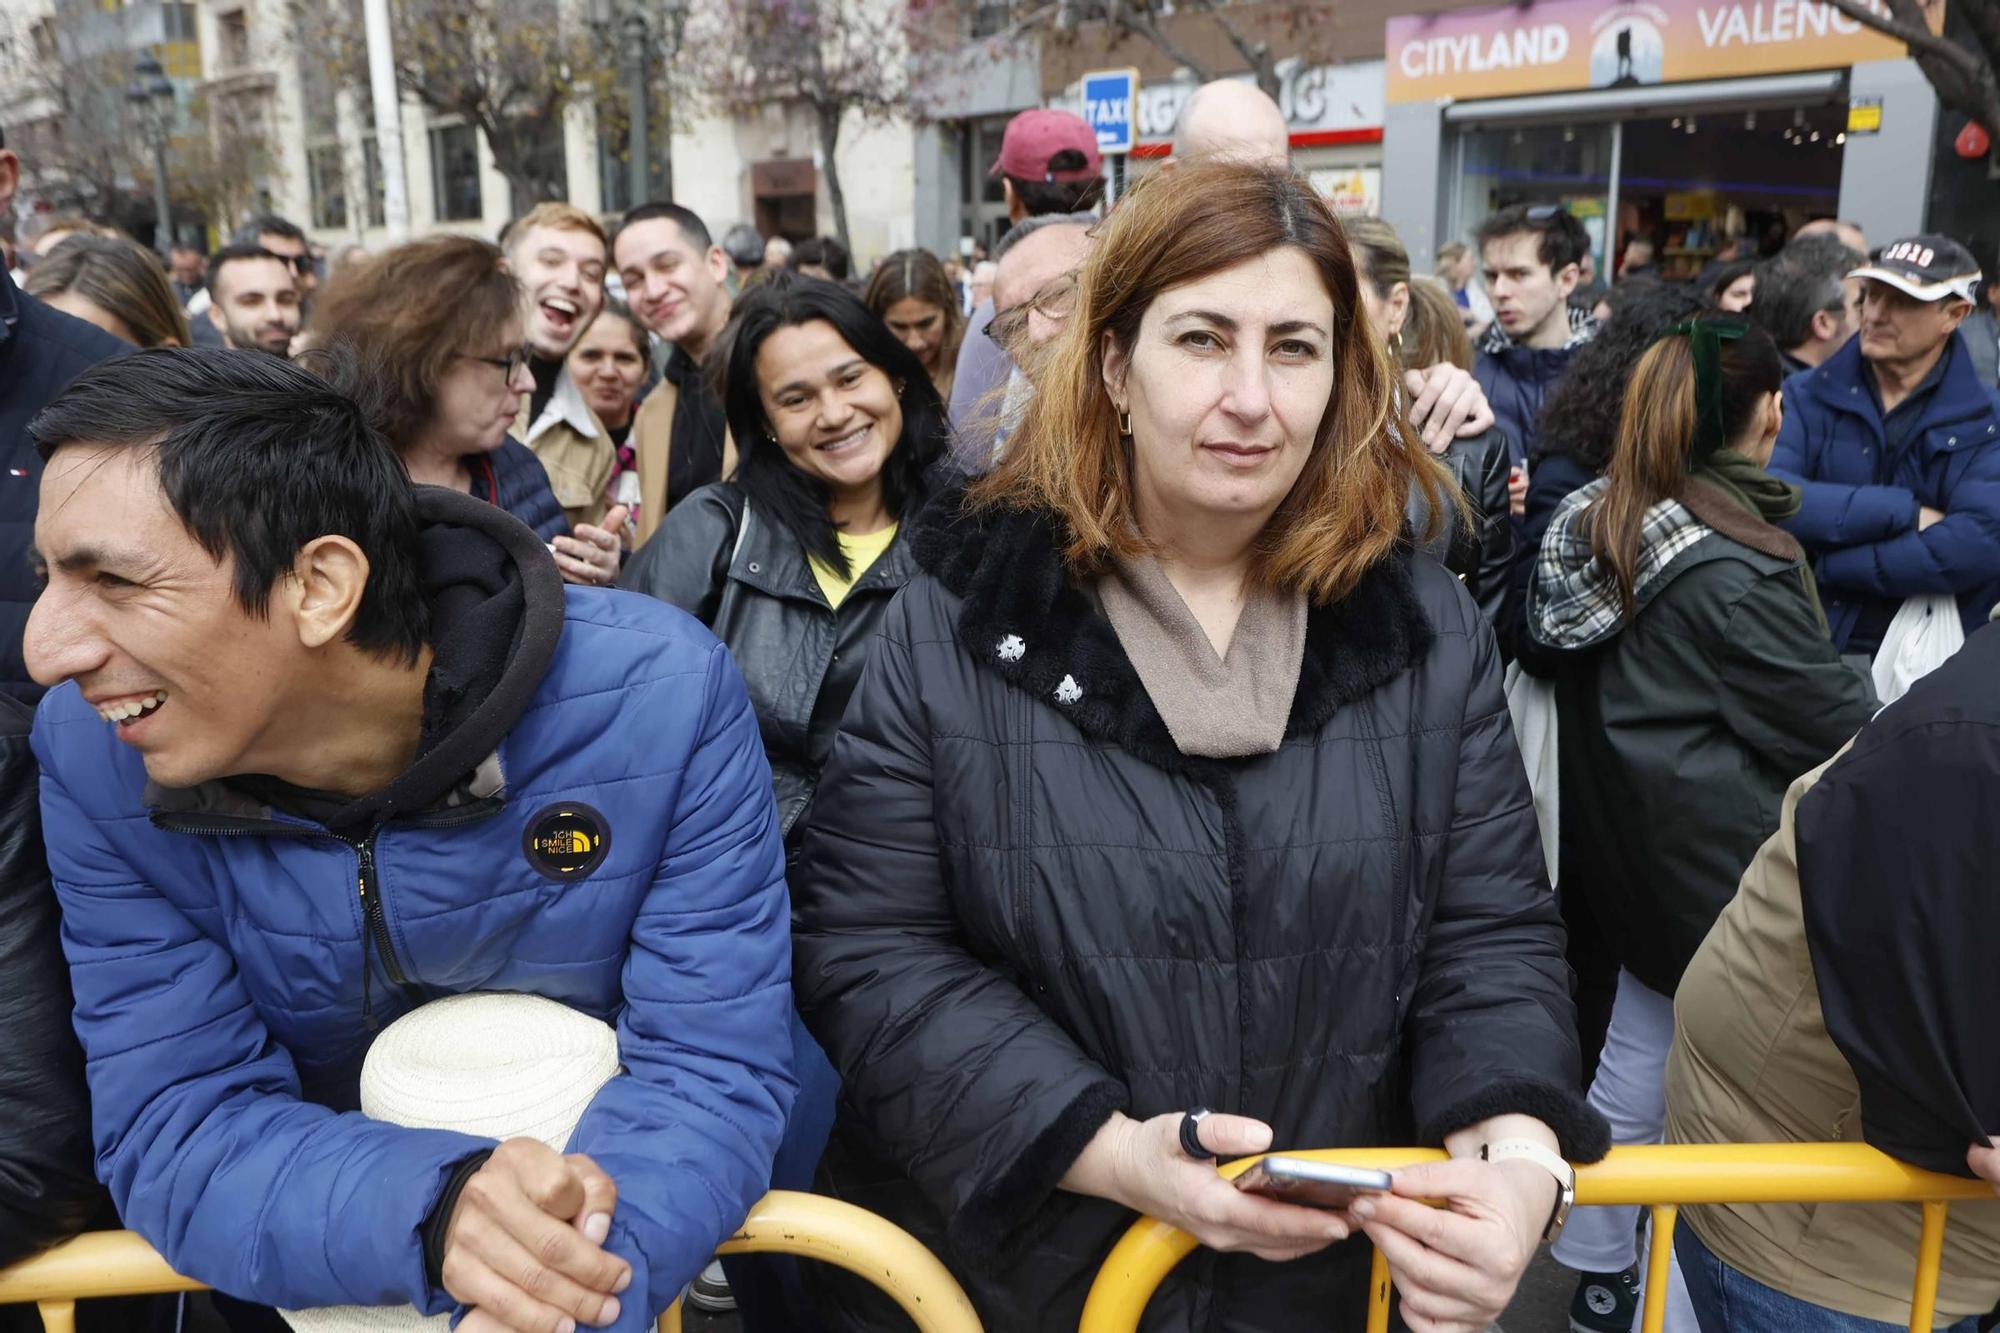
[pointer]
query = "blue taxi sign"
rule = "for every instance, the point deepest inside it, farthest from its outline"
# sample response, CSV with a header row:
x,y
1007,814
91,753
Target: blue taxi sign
x,y
1110,107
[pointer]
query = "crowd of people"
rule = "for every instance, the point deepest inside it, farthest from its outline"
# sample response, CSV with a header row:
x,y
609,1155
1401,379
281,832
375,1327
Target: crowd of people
x,y
538,742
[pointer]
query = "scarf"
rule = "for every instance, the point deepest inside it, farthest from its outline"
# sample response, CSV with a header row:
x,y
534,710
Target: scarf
x,y
1214,707
1771,499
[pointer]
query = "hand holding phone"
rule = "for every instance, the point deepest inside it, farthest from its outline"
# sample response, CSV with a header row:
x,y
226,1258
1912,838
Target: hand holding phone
x,y
1314,1184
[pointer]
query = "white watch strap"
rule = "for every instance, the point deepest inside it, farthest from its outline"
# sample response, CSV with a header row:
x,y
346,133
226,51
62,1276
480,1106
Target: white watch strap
x,y
1530,1151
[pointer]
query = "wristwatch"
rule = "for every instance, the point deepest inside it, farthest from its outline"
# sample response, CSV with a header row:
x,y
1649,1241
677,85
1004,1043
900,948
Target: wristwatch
x,y
1529,1151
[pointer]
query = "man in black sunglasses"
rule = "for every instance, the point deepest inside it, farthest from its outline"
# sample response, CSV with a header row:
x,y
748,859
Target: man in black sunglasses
x,y
253,300
287,241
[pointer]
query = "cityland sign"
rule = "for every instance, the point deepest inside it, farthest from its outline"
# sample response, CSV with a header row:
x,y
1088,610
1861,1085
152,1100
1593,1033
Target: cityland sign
x,y
1561,45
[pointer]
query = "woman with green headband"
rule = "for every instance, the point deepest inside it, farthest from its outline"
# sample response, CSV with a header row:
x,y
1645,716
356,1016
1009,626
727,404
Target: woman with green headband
x,y
1695,681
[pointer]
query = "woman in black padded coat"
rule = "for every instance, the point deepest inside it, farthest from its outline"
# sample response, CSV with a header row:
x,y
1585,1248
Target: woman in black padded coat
x,y
1178,780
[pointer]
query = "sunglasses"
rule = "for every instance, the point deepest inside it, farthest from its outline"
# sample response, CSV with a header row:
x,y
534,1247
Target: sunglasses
x,y
510,363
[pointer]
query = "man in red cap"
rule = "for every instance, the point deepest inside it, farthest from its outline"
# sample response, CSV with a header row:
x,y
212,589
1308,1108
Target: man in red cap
x,y
1048,164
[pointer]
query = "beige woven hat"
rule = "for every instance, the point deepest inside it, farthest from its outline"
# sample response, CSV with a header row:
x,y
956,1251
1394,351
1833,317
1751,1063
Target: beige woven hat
x,y
498,1065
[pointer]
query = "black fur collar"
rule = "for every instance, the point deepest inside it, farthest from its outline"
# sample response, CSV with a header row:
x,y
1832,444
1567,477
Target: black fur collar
x,y
1024,618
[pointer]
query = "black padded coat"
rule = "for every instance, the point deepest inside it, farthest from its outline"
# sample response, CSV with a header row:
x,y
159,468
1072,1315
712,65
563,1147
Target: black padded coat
x,y
47,1191
1019,909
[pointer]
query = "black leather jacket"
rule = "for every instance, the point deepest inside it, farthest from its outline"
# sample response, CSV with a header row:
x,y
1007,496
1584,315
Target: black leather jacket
x,y
47,1191
1482,556
747,579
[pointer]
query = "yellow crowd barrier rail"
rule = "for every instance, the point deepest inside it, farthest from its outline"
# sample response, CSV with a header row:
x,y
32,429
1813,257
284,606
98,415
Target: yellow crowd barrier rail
x,y
120,1263
1661,1179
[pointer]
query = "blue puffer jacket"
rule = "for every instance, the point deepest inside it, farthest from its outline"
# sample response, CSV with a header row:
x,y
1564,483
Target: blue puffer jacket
x,y
520,485
218,948
1859,517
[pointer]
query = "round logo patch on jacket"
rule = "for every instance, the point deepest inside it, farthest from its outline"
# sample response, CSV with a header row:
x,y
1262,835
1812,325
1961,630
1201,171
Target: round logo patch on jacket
x,y
566,841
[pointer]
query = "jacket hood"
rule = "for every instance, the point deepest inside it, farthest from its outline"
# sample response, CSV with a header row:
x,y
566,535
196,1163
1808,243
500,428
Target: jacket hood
x,y
1024,617
1573,601
1498,342
496,604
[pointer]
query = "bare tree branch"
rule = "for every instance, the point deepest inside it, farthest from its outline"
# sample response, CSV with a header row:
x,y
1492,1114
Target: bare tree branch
x,y
1964,79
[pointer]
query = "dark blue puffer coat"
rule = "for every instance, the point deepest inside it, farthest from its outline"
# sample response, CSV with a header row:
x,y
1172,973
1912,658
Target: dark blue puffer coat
x,y
225,995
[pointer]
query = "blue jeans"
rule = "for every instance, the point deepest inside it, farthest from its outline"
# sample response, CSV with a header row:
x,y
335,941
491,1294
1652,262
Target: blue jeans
x,y
1725,1301
770,1293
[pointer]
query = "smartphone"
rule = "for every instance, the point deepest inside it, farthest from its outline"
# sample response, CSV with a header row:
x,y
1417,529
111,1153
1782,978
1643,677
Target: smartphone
x,y
1314,1184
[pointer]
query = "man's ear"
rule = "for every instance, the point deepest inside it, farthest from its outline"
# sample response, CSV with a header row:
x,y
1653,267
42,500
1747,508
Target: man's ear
x,y
329,576
1824,325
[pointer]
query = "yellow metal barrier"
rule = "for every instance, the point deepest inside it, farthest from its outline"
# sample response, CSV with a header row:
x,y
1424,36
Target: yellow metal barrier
x,y
120,1263
1659,1178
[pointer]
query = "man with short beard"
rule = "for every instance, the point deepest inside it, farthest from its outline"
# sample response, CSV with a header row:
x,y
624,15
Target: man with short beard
x,y
253,300
676,279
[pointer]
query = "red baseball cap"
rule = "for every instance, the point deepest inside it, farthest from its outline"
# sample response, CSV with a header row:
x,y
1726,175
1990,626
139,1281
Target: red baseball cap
x,y
1034,137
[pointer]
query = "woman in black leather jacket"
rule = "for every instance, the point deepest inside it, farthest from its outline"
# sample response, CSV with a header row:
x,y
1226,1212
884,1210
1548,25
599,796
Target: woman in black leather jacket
x,y
1423,329
792,561
47,1191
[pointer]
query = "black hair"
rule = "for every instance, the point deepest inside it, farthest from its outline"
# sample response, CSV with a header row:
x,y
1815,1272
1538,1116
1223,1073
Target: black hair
x,y
768,478
822,252
1798,282
1580,415
256,457
1560,239
1071,196
690,224
1725,277
229,254
268,224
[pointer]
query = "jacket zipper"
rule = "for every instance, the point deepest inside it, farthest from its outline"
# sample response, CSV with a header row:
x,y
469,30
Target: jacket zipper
x,y
374,921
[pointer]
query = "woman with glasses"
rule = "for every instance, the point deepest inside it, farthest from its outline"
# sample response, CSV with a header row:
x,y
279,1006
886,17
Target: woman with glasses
x,y
441,318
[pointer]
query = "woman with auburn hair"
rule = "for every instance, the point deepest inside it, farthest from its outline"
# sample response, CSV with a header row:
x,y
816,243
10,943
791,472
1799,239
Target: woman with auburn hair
x,y
915,297
114,283
441,318
1176,815
1694,681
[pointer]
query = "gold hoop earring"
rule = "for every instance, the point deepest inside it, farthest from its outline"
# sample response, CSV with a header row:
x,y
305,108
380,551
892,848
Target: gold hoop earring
x,y
1124,423
1396,343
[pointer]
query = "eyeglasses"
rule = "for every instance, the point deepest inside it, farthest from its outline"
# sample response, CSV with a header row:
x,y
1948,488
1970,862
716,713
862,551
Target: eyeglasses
x,y
1055,300
1543,212
300,264
510,363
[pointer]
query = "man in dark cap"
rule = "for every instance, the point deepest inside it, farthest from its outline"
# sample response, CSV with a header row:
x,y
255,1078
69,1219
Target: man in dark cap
x,y
1895,443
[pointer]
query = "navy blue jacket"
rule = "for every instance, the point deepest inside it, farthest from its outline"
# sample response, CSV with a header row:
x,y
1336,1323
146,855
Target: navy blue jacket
x,y
223,988
1516,380
1859,516
521,487
41,351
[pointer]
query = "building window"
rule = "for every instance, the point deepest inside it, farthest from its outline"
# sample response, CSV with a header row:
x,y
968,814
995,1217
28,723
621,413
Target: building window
x,y
328,183
233,34
455,173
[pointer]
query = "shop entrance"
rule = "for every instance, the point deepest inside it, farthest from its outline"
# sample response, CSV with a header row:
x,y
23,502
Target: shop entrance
x,y
1698,180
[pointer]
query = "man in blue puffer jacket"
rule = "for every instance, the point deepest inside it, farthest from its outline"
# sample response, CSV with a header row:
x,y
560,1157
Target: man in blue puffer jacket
x,y
1895,444
323,746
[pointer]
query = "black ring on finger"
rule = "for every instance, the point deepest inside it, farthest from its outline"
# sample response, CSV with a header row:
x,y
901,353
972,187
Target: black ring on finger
x,y
1191,1134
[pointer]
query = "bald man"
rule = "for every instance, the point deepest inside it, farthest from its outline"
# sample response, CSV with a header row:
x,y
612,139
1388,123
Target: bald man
x,y
1234,121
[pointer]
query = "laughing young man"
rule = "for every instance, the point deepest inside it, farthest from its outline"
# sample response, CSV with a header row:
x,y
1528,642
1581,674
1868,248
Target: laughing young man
x,y
321,746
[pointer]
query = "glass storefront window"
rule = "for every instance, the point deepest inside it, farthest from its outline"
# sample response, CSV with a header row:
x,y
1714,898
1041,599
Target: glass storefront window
x,y
1570,165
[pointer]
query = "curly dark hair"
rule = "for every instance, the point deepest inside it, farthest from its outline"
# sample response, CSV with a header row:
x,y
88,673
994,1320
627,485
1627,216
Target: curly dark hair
x,y
1580,417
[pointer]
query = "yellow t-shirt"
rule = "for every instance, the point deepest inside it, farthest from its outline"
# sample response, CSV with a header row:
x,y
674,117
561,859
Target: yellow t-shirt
x,y
861,552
